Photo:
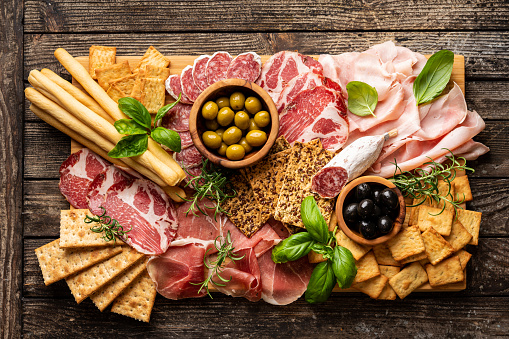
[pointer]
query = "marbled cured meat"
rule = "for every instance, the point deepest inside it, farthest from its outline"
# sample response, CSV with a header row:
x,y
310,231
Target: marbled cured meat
x,y
217,66
246,66
188,86
199,75
299,83
185,139
189,157
100,185
174,88
177,118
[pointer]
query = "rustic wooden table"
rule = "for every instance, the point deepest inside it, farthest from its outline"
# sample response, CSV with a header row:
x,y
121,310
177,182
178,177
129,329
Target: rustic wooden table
x,y
32,151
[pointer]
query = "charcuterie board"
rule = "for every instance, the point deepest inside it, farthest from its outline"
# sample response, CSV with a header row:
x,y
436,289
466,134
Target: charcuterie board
x,y
178,63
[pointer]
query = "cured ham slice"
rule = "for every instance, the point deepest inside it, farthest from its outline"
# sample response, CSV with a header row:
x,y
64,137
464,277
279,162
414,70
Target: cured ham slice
x,y
199,75
174,88
77,173
246,66
99,187
217,66
177,118
261,241
316,113
470,150
189,88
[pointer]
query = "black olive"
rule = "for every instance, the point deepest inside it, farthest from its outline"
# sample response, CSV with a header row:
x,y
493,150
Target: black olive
x,y
377,212
377,194
354,226
365,208
367,229
390,199
350,213
385,225
363,191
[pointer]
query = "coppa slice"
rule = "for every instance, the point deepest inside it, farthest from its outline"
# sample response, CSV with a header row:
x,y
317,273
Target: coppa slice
x,y
217,66
100,185
246,66
301,82
174,88
189,88
316,113
199,75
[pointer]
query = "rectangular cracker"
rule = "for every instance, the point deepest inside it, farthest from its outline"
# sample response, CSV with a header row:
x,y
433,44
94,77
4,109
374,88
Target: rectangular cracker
x,y
372,287
281,144
367,268
437,248
125,84
459,236
105,296
85,283
138,299
406,243
161,73
108,74
415,257
383,255
409,279
447,272
445,191
471,220
138,88
153,94
428,217
358,251
389,272
462,188
115,93
464,258
99,57
152,57
58,263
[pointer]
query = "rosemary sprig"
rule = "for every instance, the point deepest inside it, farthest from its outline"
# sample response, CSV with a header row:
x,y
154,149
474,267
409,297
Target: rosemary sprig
x,y
106,224
224,251
422,183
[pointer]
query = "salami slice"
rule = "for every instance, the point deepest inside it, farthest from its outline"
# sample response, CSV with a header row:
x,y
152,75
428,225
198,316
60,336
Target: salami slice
x,y
174,88
189,157
246,66
177,118
217,66
185,139
199,75
329,182
189,88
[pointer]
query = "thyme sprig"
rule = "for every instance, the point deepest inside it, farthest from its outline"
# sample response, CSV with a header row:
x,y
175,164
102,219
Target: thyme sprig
x,y
422,183
108,225
224,251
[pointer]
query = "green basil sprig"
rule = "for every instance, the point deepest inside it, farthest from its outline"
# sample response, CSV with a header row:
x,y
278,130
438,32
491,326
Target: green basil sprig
x,y
322,282
362,98
434,76
138,128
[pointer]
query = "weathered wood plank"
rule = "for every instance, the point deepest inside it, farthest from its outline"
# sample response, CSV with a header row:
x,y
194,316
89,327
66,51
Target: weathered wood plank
x,y
488,98
486,53
172,16
11,172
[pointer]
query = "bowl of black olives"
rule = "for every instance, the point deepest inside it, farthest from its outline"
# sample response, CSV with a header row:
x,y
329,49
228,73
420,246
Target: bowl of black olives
x,y
370,210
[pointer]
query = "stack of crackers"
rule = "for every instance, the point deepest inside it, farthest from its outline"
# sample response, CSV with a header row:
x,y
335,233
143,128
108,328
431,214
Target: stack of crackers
x,y
106,272
145,82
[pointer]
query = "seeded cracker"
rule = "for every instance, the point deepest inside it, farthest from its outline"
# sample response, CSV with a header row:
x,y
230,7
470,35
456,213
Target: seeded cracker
x,y
428,217
471,220
154,58
406,243
367,268
389,272
108,74
279,145
459,236
383,255
358,251
437,249
372,287
410,278
153,94
100,56
447,272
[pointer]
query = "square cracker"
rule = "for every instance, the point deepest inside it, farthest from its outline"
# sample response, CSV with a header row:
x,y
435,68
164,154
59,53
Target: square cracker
x,y
281,144
459,236
108,74
125,84
383,255
471,220
153,94
389,272
161,73
138,299
447,272
464,258
58,263
415,257
437,248
115,93
428,217
138,88
409,279
85,283
358,251
462,188
367,268
372,287
406,243
152,57
99,57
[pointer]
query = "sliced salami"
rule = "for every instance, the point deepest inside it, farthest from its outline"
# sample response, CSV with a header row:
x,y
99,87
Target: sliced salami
x,y
189,88
199,75
189,157
217,66
246,66
177,118
174,88
329,181
100,185
185,139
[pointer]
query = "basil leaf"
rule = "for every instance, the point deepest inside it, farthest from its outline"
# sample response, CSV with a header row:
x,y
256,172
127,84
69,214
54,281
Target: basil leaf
x,y
362,98
321,283
168,138
434,76
135,110
129,126
163,110
292,248
313,220
130,146
343,265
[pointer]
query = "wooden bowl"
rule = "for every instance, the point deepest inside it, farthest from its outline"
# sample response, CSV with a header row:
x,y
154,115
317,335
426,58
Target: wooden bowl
x,y
226,88
357,237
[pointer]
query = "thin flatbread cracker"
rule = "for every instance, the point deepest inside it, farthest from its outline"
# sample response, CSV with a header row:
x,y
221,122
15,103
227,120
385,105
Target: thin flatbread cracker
x,y
99,57
358,251
464,258
437,248
447,272
413,258
152,71
471,220
125,84
459,236
138,88
430,217
406,243
367,268
152,57
153,94
389,272
409,279
108,74
115,93
383,255
372,287
462,185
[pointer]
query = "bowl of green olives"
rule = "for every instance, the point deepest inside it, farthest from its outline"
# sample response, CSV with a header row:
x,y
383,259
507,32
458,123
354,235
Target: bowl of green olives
x,y
370,210
234,123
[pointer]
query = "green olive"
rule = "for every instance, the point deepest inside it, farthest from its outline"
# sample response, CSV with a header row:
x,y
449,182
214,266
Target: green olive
x,y
242,120
211,139
237,101
253,105
256,138
247,147
262,118
232,135
252,125
235,152
222,149
225,116
223,102
220,132
209,110
211,124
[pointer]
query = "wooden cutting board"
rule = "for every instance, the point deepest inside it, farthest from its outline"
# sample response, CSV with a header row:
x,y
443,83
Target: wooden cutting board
x,y
179,62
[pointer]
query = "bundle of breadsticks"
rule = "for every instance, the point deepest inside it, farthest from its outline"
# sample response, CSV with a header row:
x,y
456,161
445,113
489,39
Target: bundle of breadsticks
x,y
88,118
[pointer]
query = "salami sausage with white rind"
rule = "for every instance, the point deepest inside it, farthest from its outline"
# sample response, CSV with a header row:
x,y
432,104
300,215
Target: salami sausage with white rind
x,y
246,66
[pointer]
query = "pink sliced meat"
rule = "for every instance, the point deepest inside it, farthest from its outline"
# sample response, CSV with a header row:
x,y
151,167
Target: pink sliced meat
x,y
217,66
329,182
192,172
246,66
145,207
174,88
199,74
316,113
261,241
188,86
77,173
99,187
301,82
189,157
185,139
177,118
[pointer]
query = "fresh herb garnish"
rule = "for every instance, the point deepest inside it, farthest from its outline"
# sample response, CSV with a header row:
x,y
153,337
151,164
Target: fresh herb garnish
x,y
422,183
109,226
434,76
224,251
339,265
362,98
139,127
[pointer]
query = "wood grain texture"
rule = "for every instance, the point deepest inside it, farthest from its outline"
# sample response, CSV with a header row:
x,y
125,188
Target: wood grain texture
x,y
173,16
